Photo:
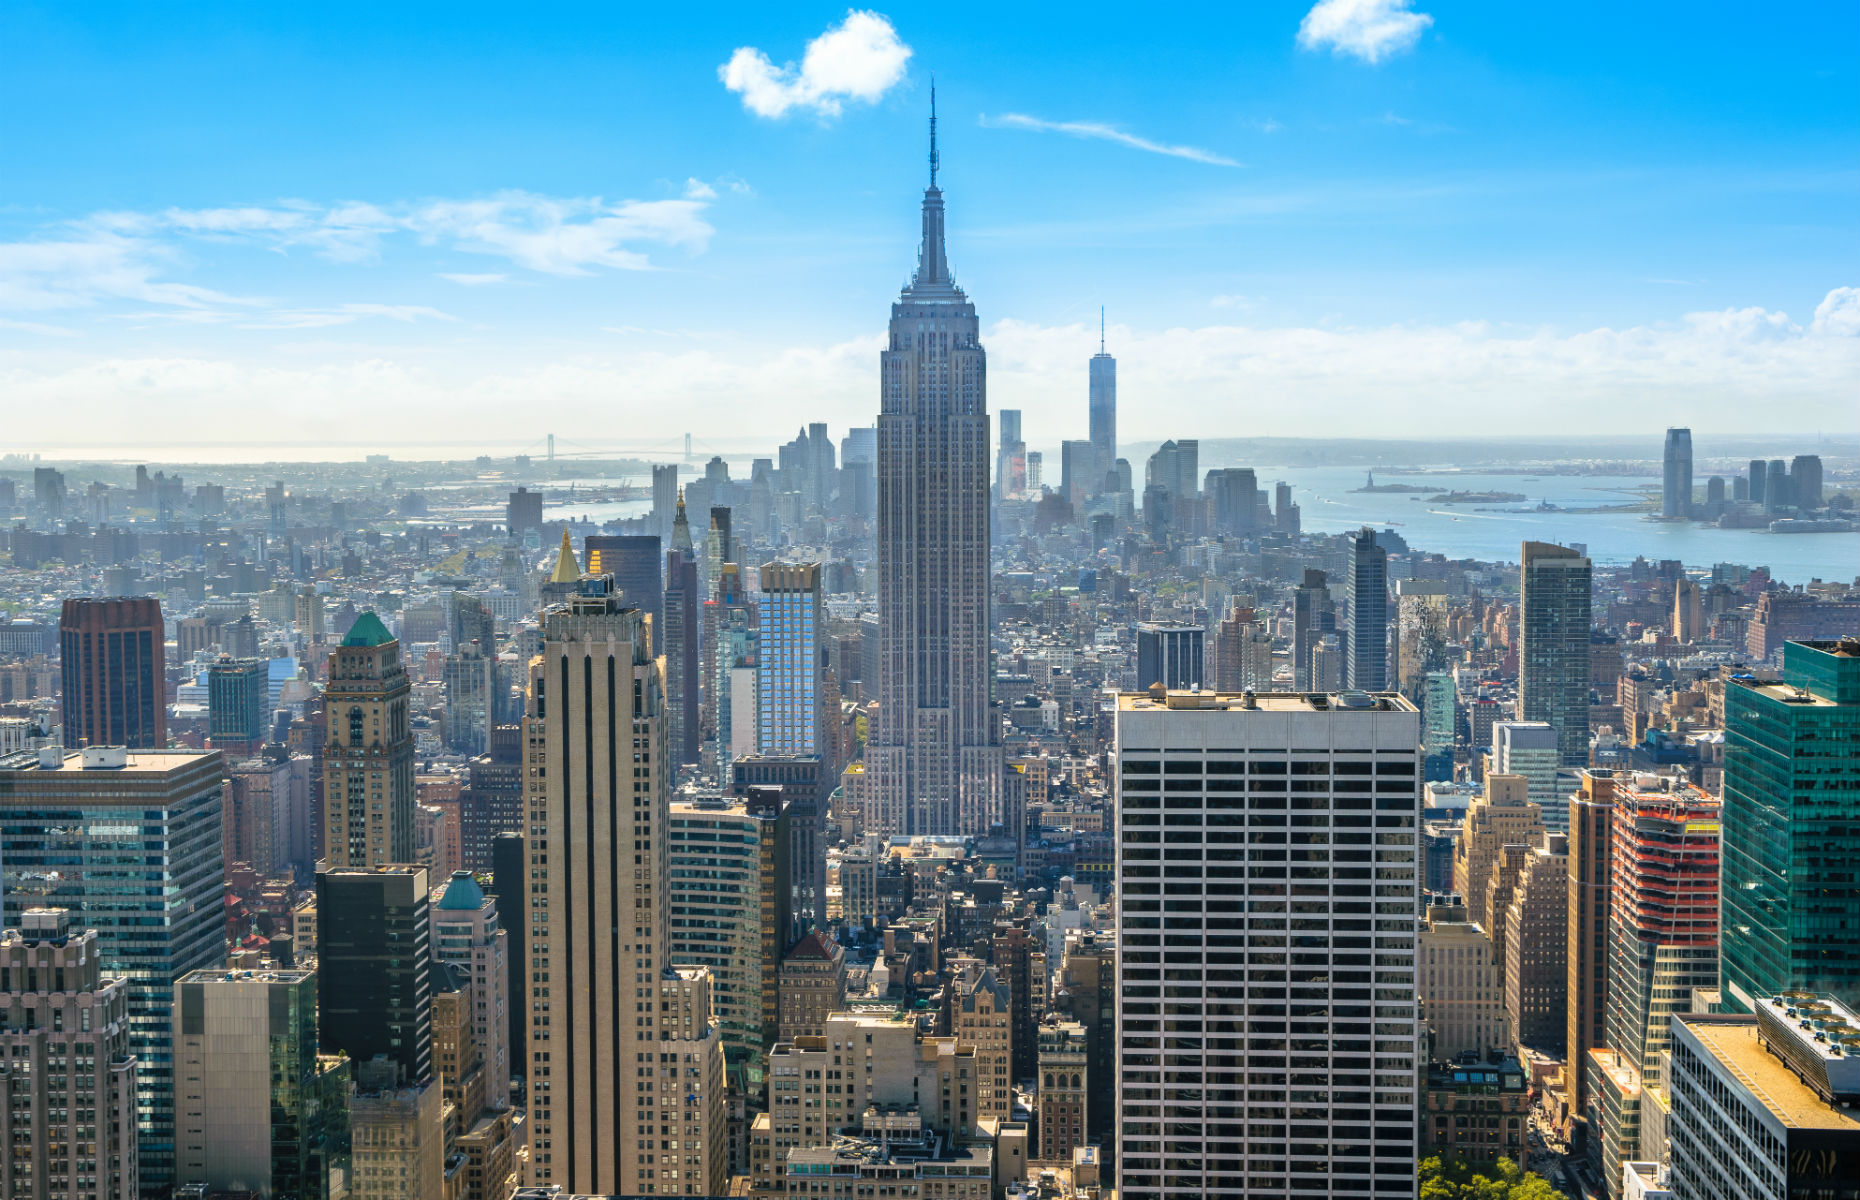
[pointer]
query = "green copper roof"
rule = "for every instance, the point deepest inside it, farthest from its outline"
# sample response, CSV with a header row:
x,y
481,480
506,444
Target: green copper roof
x,y
462,893
368,631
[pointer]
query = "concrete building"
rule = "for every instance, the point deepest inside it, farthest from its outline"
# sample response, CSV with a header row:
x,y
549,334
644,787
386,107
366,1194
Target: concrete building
x,y
981,1016
397,1137
1591,884
599,861
1479,1109
935,748
1763,1105
1553,654
467,934
65,819
368,792
67,1070
1345,890
1461,985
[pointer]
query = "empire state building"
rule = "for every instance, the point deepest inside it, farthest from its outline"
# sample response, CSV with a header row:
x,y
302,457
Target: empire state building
x,y
935,751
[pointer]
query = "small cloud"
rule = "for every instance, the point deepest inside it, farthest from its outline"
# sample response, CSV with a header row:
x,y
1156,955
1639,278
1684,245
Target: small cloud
x,y
1371,30
470,280
697,189
35,327
1838,314
345,314
861,58
1266,125
1107,133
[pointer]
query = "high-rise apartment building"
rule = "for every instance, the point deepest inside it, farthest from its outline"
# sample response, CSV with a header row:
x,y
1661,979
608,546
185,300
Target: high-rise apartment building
x,y
1064,1075
634,561
129,844
1171,655
731,627
935,748
1536,949
252,1113
374,967
1502,816
1676,478
1591,891
1553,657
788,660
1369,614
368,796
467,934
67,1069
1333,785
238,712
111,659
523,512
681,644
626,1062
1313,616
1103,411
1792,827
397,1135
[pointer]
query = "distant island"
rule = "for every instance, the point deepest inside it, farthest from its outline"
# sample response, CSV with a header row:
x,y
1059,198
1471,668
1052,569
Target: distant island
x,y
1475,498
1372,486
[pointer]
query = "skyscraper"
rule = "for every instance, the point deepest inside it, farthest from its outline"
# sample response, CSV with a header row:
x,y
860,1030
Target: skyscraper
x,y
1591,891
935,749
129,844
1351,1053
468,935
237,708
374,967
1103,411
1369,613
1172,655
111,658
1792,827
623,1051
633,560
788,660
1313,616
1010,457
1676,480
1553,660
684,624
368,751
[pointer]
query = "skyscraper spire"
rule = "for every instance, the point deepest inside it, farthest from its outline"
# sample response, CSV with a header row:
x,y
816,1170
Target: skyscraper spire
x,y
933,162
1101,329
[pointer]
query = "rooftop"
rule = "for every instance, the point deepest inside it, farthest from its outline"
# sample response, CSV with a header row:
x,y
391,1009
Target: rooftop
x,y
1156,699
1734,1043
367,631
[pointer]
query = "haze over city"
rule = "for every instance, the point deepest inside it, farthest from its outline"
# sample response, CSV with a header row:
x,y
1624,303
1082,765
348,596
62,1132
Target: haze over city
x,y
425,216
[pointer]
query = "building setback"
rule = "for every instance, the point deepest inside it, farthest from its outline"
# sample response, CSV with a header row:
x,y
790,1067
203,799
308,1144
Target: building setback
x,y
111,657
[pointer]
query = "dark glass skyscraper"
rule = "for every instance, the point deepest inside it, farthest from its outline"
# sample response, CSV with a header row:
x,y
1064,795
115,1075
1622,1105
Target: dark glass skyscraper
x,y
935,751
1369,614
374,967
633,560
1553,659
1792,827
1676,480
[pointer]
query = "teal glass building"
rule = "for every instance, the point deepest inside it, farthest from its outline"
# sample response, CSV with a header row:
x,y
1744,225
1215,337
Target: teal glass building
x,y
1791,886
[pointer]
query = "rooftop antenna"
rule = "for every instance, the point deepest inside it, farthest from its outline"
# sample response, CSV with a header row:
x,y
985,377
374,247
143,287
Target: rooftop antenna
x,y
933,162
1101,329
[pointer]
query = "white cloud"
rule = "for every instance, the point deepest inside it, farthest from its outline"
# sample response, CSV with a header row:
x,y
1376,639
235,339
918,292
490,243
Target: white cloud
x,y
100,266
35,327
1371,30
1738,370
1108,133
861,58
563,237
344,314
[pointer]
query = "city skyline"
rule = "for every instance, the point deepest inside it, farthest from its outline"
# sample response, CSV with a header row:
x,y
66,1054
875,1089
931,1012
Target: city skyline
x,y
1309,215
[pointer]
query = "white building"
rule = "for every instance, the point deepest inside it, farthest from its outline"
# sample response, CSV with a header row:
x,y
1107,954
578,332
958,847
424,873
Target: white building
x,y
1529,748
1266,1000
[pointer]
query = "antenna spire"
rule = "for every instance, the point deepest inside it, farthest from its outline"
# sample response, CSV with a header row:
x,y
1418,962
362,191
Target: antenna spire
x,y
1101,329
933,161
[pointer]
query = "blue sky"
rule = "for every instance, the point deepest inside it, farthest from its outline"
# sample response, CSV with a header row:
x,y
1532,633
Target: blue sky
x,y
478,223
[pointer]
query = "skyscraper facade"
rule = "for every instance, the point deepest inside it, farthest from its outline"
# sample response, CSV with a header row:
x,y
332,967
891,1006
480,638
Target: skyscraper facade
x,y
237,693
1792,827
788,667
128,843
1172,655
374,967
681,644
468,935
110,653
623,1051
633,561
1553,659
935,749
1676,479
1313,616
368,751
1103,414
1206,1114
1369,614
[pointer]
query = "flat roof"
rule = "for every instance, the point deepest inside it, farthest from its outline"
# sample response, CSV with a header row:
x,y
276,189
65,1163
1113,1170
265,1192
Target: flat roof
x,y
1302,702
133,761
1779,1089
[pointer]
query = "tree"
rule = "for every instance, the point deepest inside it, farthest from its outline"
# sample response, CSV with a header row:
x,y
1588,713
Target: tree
x,y
1456,1178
